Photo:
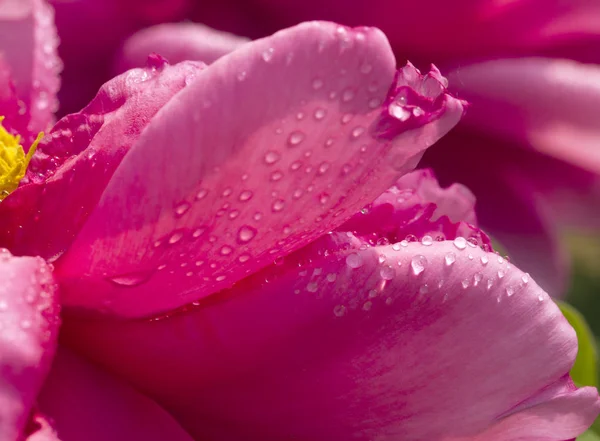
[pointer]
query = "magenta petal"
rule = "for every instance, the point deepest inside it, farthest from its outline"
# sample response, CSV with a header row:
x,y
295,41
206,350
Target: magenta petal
x,y
28,44
551,105
341,341
78,157
86,403
272,146
28,331
177,42
417,208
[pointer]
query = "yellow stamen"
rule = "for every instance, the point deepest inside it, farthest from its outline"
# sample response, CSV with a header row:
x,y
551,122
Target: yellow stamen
x,y
13,160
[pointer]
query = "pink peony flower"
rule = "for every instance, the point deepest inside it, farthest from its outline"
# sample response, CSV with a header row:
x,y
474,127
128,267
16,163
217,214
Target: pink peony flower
x,y
218,280
527,147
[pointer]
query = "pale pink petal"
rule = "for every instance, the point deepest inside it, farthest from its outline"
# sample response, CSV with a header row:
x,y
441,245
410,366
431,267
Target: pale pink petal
x,y
512,186
176,42
28,332
273,145
76,160
345,341
28,45
85,403
417,208
550,105
40,429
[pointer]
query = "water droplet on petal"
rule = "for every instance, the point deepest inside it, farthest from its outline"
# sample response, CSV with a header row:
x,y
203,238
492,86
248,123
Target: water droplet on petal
x,y
347,95
323,167
354,260
312,287
387,272
175,237
271,157
246,233
320,113
525,278
244,258
339,310
367,305
295,138
278,205
500,274
198,232
424,289
276,175
510,291
366,68
131,279
201,194
317,83
226,250
241,76
490,283
460,243
427,241
331,277
418,264
484,259
357,131
450,258
346,118
181,209
268,54
465,283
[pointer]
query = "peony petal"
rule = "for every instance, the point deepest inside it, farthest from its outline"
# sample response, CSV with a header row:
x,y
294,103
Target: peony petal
x,y
40,429
91,32
177,42
303,109
417,208
76,160
550,105
29,328
85,403
342,341
513,187
536,26
28,44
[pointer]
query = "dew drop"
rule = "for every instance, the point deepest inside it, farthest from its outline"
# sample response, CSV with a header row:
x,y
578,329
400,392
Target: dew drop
x,y
500,274
244,258
257,216
220,278
317,83
331,277
339,310
424,289
348,95
460,243
226,250
387,272
181,209
276,175
278,205
246,233
367,305
227,192
346,118
320,113
198,232
396,247
374,103
233,214
241,76
418,264
427,241
329,142
490,283
450,259
465,283
312,287
525,278
271,157
201,194
323,167
323,198
357,131
131,279
175,237
484,260
366,68
268,54
295,165
510,291
295,138
354,260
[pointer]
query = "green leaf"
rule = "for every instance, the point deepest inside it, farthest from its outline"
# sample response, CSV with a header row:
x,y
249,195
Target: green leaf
x,y
589,436
584,372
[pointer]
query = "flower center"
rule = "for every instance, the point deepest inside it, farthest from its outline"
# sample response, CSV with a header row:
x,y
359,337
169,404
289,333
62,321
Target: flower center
x,y
13,160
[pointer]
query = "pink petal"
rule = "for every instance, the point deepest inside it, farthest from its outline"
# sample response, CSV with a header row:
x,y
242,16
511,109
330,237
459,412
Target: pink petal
x,y
443,31
91,32
550,105
28,44
40,429
78,157
512,186
86,403
303,108
28,331
177,42
346,341
417,208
